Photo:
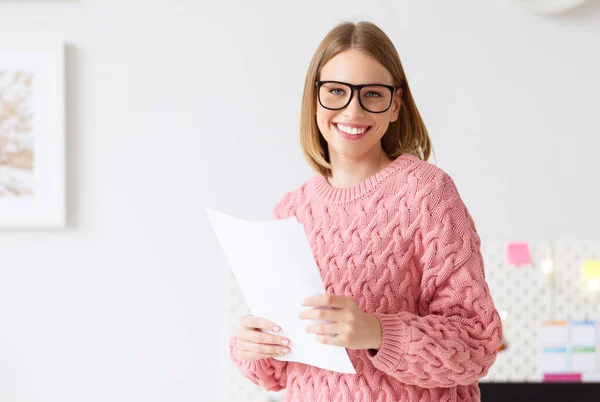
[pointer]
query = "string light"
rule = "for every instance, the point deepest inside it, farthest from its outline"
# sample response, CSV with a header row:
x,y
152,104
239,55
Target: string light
x,y
547,266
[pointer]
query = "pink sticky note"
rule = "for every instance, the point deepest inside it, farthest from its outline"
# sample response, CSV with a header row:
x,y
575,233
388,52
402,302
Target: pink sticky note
x,y
518,254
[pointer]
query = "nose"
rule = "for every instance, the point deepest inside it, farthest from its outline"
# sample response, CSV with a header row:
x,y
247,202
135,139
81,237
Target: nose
x,y
354,110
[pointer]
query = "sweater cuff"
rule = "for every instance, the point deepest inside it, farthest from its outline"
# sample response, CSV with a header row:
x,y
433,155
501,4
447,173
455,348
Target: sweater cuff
x,y
259,366
394,345
258,371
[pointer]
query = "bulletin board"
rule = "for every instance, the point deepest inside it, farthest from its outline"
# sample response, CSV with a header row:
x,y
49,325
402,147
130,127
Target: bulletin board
x,y
529,297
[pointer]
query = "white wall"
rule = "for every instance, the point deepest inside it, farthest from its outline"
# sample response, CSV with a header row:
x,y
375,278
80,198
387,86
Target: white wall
x,y
169,110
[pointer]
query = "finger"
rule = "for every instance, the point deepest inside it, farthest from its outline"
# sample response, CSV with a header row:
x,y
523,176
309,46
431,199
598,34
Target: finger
x,y
251,321
255,356
325,329
262,349
330,340
326,314
329,300
262,337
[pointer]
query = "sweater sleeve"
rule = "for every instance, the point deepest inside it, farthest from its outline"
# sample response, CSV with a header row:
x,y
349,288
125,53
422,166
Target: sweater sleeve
x,y
270,373
455,337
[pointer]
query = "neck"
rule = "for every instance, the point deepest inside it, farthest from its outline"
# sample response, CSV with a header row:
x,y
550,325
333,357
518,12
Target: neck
x,y
347,172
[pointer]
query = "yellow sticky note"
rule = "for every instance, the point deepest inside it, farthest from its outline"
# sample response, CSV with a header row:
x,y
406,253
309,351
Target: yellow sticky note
x,y
591,269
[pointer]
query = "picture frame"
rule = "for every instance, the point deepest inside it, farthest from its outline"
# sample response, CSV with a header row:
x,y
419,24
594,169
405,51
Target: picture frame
x,y
32,134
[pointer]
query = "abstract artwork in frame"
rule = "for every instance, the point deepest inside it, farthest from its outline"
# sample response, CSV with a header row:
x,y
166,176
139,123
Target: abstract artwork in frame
x,y
32,135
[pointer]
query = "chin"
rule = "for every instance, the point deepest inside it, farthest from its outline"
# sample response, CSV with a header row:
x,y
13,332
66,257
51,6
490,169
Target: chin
x,y
351,152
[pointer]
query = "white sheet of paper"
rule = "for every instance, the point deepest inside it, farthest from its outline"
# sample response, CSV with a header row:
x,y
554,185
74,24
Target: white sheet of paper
x,y
583,333
583,361
555,361
275,269
554,335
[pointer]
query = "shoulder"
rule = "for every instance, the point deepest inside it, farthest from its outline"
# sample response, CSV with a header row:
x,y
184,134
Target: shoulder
x,y
433,194
428,181
287,205
441,209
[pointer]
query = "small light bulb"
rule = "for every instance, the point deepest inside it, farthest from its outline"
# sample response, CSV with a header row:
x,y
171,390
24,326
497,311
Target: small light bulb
x,y
593,284
547,266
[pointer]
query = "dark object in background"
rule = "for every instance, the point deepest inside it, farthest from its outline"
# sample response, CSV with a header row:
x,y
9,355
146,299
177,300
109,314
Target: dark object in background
x,y
543,392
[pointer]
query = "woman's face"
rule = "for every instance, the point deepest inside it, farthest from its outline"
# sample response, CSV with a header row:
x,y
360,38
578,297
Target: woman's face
x,y
354,132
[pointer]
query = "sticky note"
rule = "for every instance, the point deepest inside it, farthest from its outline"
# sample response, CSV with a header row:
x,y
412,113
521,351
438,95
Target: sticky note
x,y
518,254
591,270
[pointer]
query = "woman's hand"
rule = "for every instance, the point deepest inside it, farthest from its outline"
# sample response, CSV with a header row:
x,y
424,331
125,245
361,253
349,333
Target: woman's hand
x,y
252,344
350,326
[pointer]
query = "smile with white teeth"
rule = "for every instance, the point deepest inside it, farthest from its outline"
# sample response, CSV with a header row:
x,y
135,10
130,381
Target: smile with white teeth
x,y
351,130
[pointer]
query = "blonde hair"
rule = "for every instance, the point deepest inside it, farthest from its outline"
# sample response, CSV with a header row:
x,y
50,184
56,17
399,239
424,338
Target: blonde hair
x,y
405,135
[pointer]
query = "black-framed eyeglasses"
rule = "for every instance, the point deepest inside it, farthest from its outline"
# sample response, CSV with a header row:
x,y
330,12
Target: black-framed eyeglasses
x,y
336,95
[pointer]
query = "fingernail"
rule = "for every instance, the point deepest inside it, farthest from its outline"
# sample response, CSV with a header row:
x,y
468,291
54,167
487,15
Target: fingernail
x,y
286,350
276,328
285,341
303,302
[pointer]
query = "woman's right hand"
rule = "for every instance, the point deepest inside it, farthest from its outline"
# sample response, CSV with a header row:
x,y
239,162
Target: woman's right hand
x,y
252,344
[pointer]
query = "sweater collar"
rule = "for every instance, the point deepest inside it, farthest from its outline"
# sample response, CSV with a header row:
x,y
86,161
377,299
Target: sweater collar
x,y
337,195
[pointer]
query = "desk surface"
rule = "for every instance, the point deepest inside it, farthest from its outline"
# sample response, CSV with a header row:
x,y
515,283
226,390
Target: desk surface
x,y
546,392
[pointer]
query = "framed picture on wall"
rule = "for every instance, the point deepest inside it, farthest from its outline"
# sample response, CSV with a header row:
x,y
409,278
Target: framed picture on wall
x,y
32,135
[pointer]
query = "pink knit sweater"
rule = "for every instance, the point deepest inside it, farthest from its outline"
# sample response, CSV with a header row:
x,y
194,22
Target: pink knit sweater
x,y
403,246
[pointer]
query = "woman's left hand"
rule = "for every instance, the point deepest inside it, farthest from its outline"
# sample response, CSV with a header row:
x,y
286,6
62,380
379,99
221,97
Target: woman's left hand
x,y
350,327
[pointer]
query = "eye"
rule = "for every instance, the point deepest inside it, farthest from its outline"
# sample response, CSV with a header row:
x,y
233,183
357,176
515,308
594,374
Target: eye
x,y
373,94
337,91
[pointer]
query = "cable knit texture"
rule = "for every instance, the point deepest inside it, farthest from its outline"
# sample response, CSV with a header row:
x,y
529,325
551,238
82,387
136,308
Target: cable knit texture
x,y
404,247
